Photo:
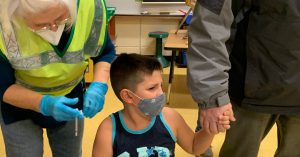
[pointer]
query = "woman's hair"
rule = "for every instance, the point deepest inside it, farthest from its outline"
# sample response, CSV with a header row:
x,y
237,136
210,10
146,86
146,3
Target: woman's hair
x,y
128,70
10,10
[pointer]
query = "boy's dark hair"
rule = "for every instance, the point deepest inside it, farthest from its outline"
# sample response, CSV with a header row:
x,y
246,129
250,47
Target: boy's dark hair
x,y
127,70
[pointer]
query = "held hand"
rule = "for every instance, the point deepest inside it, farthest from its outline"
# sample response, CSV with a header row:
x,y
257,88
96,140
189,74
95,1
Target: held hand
x,y
224,121
209,118
93,100
58,108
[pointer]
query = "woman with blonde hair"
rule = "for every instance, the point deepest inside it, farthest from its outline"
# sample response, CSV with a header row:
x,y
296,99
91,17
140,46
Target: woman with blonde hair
x,y
44,50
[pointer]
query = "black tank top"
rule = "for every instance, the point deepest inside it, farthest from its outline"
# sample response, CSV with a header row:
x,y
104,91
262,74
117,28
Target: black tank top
x,y
154,141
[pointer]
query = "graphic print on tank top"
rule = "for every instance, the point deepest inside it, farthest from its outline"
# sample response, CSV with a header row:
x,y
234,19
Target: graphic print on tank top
x,y
156,140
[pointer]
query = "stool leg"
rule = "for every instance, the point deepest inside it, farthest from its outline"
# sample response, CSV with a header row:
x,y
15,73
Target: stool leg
x,y
159,55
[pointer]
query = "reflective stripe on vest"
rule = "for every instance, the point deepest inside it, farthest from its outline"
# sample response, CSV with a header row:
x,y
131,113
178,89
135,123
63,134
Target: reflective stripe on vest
x,y
45,90
77,54
91,47
45,58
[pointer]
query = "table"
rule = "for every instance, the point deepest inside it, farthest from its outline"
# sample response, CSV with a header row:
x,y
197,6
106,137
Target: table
x,y
175,43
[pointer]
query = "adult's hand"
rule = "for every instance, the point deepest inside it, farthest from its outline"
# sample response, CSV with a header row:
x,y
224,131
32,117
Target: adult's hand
x,y
59,108
94,97
209,118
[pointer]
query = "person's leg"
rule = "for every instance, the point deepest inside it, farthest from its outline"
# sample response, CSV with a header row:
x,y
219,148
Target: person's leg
x,y
63,141
246,133
208,152
288,136
22,139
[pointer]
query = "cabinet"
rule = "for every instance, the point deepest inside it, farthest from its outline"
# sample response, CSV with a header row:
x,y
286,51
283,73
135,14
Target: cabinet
x,y
131,32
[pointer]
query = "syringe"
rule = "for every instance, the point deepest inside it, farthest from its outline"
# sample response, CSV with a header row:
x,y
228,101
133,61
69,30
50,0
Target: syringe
x,y
76,126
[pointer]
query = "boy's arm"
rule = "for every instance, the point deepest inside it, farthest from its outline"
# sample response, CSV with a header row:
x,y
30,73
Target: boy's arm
x,y
186,137
103,141
202,140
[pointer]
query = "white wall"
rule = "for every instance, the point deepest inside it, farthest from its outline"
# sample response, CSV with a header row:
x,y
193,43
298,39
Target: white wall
x,y
135,7
125,6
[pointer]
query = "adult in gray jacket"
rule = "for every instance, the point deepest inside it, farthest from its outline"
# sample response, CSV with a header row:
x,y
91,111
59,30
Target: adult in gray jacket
x,y
258,72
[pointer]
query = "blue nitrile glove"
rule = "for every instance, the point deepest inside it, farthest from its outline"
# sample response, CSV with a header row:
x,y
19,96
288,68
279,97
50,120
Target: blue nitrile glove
x,y
58,108
93,99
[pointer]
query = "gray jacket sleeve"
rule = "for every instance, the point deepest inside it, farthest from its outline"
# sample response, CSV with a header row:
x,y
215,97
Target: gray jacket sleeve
x,y
208,59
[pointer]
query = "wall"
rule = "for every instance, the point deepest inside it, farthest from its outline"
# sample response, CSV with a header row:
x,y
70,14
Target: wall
x,y
132,32
132,28
135,7
125,6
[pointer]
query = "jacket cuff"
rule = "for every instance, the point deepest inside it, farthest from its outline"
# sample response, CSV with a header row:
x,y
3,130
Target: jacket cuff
x,y
216,101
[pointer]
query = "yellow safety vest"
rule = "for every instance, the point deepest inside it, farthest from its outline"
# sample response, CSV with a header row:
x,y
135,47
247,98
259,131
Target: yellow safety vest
x,y
39,66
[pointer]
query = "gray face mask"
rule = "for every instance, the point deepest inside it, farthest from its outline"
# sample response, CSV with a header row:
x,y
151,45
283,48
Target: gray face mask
x,y
151,107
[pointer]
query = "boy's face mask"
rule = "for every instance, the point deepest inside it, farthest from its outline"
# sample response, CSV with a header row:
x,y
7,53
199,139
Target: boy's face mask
x,y
51,36
151,107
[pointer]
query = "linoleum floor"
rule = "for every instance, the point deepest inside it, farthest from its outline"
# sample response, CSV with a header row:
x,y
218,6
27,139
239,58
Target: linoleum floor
x,y
179,100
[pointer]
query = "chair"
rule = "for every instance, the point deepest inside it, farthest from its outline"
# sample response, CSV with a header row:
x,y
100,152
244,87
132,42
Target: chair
x,y
158,54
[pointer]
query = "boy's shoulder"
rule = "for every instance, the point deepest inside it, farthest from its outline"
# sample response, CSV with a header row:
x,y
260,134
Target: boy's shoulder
x,y
105,125
169,113
103,144
172,117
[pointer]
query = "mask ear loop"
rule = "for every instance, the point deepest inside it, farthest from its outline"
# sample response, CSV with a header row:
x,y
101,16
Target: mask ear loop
x,y
135,95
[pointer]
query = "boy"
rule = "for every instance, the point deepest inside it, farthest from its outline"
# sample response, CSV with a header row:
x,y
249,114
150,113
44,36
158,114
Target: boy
x,y
145,127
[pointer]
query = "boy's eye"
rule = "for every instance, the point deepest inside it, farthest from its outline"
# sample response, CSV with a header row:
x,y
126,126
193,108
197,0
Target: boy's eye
x,y
156,86
40,25
151,88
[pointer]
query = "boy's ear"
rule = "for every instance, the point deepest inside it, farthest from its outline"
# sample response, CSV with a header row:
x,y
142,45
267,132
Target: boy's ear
x,y
126,96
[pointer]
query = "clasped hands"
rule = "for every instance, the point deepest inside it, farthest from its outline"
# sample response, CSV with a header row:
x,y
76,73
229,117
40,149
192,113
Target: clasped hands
x,y
215,120
59,107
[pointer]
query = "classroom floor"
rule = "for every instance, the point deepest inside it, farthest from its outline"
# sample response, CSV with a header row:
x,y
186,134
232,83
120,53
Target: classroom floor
x,y
179,100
